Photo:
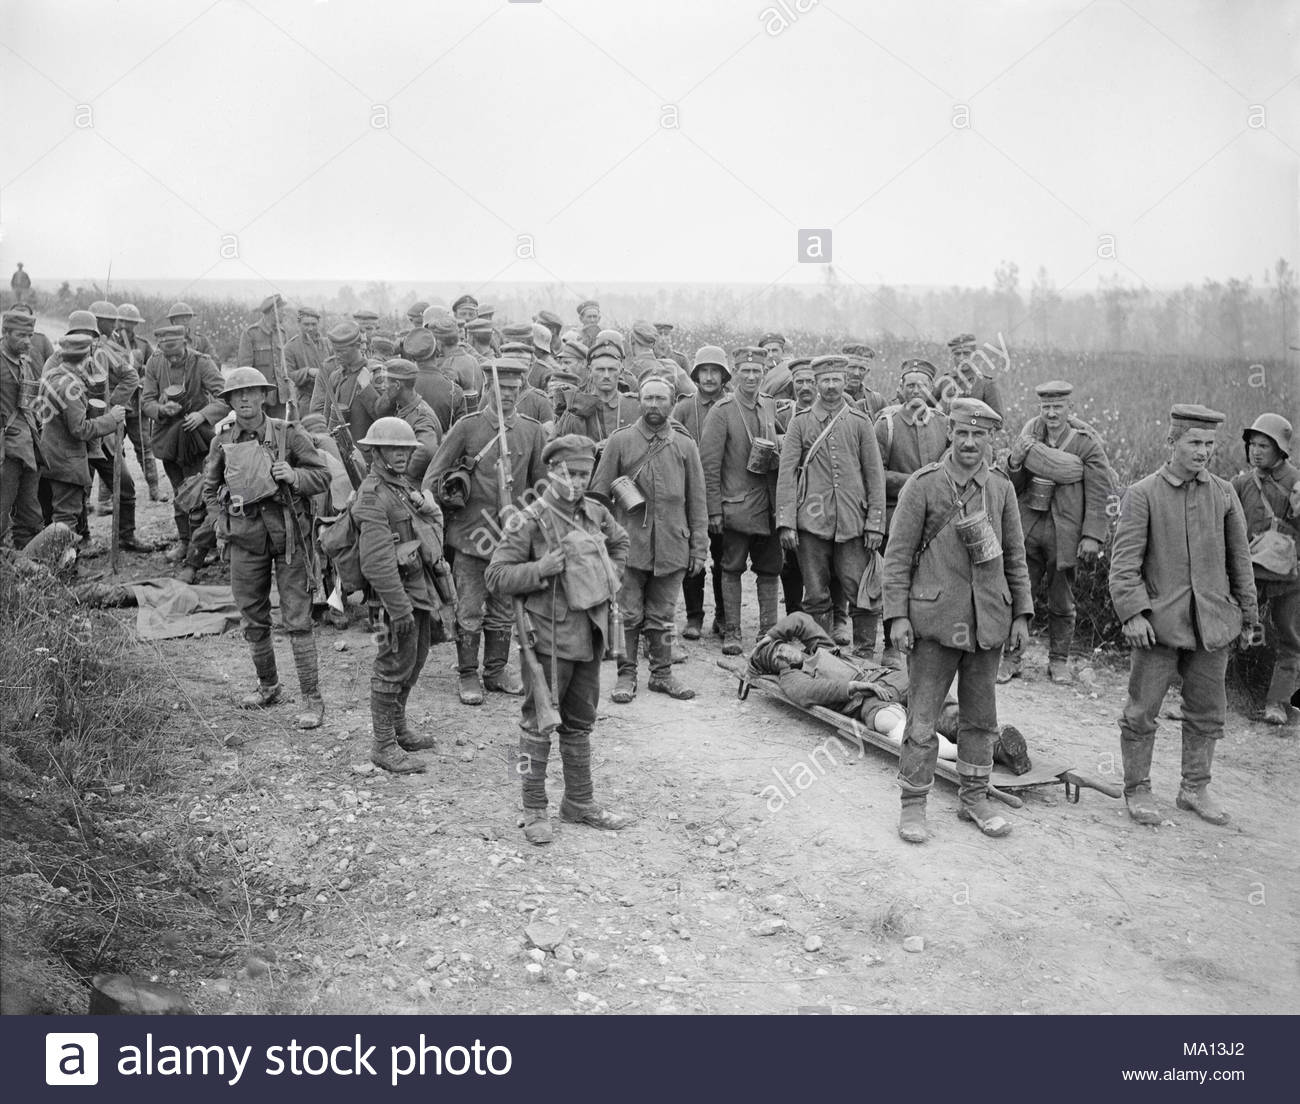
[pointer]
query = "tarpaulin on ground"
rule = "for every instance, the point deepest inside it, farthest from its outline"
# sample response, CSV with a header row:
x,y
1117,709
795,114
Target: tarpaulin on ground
x,y
168,608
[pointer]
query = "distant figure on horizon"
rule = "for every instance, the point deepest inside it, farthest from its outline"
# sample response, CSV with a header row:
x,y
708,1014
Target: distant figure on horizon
x,y
21,284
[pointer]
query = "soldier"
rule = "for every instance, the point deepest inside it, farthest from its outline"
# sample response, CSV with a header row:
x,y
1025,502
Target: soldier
x,y
970,375
414,318
802,385
347,393
20,431
124,388
912,433
531,561
1068,529
664,347
830,502
642,339
543,360
69,434
305,356
951,607
1183,589
182,314
465,309
121,386
531,401
1270,500
472,449
740,485
669,532
182,398
20,283
554,324
589,320
137,427
479,333
601,409
261,345
710,375
573,355
774,344
42,348
858,358
457,363
399,540
367,322
259,476
401,400
441,392
128,318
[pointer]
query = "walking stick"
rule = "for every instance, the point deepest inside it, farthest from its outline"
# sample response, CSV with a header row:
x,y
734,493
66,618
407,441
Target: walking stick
x,y
115,548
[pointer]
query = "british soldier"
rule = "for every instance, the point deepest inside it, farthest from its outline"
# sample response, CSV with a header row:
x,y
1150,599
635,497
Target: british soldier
x,y
347,393
951,607
182,398
830,502
261,504
261,345
399,540
534,560
305,356
1270,499
1050,455
740,486
710,374
472,446
20,431
1183,590
441,392
182,314
669,532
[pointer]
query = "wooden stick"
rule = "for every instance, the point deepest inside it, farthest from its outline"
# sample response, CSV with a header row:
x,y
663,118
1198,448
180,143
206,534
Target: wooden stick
x,y
115,549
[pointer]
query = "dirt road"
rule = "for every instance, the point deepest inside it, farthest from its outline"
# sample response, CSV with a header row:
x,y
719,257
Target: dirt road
x,y
363,892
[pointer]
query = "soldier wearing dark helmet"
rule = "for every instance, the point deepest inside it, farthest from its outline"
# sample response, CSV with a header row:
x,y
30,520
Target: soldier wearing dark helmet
x,y
182,314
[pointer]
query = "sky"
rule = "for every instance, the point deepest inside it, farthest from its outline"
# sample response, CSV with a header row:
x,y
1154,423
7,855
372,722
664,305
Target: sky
x,y
1157,141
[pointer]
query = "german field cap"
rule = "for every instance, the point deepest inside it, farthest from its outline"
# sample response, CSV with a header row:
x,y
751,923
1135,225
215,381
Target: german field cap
x,y
749,354
858,349
399,368
463,301
550,320
180,310
129,312
798,366
664,327
78,344
1193,414
1054,389
166,335
364,315
309,312
711,354
570,448
612,338
517,350
418,344
915,364
586,305
444,327
768,338
645,333
572,347
831,362
480,327
16,320
962,343
383,344
270,302
102,308
509,368
82,320
605,358
417,309
518,331
974,412
344,334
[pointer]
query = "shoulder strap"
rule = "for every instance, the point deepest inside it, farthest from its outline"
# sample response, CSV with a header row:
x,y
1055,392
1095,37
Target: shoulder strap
x,y
822,435
958,506
1263,498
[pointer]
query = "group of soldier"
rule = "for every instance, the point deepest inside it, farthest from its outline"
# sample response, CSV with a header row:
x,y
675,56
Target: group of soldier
x,y
566,488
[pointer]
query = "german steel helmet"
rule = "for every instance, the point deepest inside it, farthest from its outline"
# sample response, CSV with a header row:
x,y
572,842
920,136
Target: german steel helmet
x,y
1273,426
390,433
82,320
240,379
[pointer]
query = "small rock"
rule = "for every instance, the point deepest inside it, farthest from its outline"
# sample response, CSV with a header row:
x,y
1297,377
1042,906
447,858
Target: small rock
x,y
220,985
534,971
467,757
727,846
537,954
434,961
363,768
389,982
711,840
570,974
812,944
769,926
340,645
356,951
563,953
914,944
545,935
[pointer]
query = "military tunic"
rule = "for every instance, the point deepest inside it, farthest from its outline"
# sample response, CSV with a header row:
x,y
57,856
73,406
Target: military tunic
x,y
20,384
908,444
261,347
304,358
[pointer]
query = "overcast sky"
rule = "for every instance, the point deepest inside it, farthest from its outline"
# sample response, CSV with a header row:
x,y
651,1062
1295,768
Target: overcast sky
x,y
679,140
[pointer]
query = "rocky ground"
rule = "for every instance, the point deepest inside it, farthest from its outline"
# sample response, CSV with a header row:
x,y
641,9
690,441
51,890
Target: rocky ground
x,y
351,890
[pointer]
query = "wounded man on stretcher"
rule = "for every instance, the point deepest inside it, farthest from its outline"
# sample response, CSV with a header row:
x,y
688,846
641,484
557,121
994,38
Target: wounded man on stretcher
x,y
809,670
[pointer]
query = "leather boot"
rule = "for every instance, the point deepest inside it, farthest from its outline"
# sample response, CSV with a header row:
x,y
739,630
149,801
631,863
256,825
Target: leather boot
x,y
497,675
1136,753
1009,668
865,627
407,738
675,651
471,690
694,628
304,659
838,626
1194,793
384,752
534,751
911,816
186,574
662,679
1275,713
731,614
268,680
975,805
579,805
178,552
625,688
767,596
1060,634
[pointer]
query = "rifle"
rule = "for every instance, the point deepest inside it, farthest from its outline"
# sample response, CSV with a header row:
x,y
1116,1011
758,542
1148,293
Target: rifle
x,y
539,691
349,454
288,394
118,460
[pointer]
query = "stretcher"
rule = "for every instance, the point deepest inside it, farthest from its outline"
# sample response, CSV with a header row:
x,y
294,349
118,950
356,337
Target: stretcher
x,y
1001,782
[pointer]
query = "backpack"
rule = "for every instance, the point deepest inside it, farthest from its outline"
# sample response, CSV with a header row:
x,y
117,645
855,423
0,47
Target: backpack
x,y
340,541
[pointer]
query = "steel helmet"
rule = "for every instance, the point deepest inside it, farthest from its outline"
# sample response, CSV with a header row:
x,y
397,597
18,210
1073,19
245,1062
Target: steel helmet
x,y
1276,428
102,308
241,379
82,320
129,312
714,355
390,433
181,310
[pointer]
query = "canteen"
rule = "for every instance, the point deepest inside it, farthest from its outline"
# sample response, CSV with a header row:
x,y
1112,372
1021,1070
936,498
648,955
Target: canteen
x,y
762,456
976,534
1040,494
626,493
